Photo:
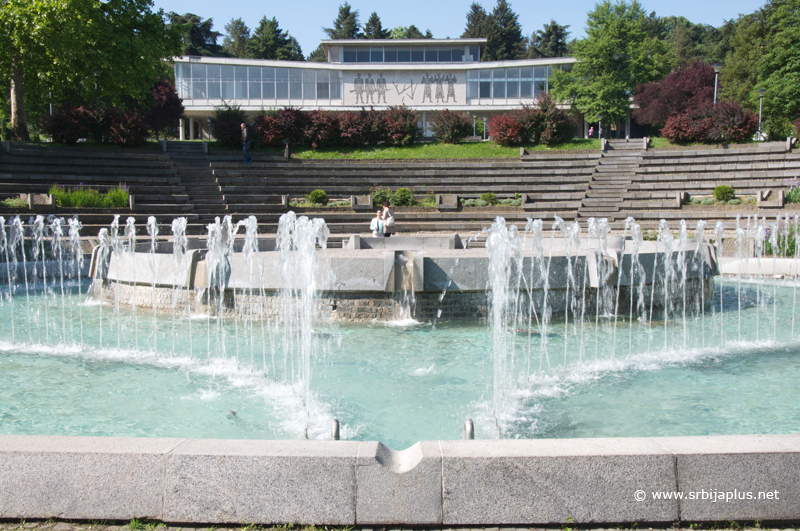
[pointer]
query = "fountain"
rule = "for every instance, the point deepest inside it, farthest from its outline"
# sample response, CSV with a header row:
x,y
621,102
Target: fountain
x,y
400,338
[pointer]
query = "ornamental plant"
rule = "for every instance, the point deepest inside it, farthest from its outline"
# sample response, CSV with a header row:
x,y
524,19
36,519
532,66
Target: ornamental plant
x,y
793,194
505,130
226,125
317,197
402,197
400,126
68,124
723,193
451,127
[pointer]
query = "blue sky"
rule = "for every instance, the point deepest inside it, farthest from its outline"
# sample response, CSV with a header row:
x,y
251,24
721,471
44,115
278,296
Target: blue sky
x,y
304,19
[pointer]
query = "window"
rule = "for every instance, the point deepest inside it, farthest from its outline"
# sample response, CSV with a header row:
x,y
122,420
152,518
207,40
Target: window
x,y
336,86
444,54
309,85
183,78
362,55
475,52
268,83
349,55
254,82
390,55
431,55
526,89
499,89
295,84
458,55
198,82
213,73
227,83
486,89
376,55
512,89
240,77
417,54
472,89
404,54
282,83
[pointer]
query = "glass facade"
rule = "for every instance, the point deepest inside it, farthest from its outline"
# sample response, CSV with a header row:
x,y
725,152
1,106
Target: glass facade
x,y
410,54
526,82
256,84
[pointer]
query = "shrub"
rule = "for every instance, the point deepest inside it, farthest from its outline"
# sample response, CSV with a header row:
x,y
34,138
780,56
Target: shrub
x,y
481,203
732,123
707,201
505,130
469,203
68,124
451,127
402,197
127,128
118,197
734,201
531,122
516,202
690,126
290,123
14,202
89,198
557,127
166,108
400,126
321,129
381,196
684,89
793,194
317,197
267,130
723,193
490,198
361,128
226,125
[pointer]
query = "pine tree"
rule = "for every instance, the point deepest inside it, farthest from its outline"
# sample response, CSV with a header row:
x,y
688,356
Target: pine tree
x,y
346,25
270,42
373,29
549,42
413,32
318,55
476,17
504,35
236,36
196,34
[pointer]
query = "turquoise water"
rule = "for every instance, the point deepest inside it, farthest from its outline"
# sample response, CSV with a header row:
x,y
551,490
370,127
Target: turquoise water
x,y
398,383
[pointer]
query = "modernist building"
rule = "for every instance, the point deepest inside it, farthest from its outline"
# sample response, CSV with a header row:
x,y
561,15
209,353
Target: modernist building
x,y
423,74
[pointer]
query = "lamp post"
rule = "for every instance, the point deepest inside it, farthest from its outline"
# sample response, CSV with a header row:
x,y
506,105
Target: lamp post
x,y
96,77
717,68
484,128
474,117
761,93
208,120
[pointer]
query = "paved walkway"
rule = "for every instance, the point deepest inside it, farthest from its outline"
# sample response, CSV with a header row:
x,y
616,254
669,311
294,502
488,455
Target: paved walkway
x,y
56,525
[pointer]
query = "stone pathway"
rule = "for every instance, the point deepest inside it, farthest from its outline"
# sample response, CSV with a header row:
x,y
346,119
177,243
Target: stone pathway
x,y
57,525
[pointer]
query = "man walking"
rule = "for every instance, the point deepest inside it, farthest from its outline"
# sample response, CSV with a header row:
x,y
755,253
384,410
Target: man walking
x,y
246,144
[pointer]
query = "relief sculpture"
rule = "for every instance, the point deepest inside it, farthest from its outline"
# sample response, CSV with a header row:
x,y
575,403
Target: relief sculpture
x,y
436,88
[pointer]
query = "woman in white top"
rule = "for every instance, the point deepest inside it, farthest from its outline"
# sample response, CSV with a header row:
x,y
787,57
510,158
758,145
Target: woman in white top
x,y
388,220
376,225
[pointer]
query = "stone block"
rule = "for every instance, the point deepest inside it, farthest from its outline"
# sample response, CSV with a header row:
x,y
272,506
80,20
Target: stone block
x,y
733,467
555,481
269,482
86,478
399,487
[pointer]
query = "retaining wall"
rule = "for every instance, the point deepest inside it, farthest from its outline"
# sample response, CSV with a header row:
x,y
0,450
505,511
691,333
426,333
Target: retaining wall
x,y
447,483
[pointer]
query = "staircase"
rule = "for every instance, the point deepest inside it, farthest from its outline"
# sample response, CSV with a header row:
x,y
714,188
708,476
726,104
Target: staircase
x,y
613,174
192,166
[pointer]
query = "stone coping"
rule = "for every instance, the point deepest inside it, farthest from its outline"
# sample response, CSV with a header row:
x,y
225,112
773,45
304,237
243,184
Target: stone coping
x,y
433,483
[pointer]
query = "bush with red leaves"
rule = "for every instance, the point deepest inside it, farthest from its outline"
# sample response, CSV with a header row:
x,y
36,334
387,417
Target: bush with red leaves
x,y
69,124
400,126
451,126
557,127
505,130
128,127
361,128
321,129
531,122
166,108
726,122
267,131
690,88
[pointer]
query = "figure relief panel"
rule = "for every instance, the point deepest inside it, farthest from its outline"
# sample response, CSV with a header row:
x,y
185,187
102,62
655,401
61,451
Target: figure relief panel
x,y
404,88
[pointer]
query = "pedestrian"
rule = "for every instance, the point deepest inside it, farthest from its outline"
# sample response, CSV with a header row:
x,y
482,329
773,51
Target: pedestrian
x,y
388,220
376,225
246,144
591,132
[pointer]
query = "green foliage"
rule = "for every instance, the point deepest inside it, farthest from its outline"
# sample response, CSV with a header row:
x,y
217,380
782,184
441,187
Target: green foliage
x,y
469,203
14,202
373,29
476,22
617,54
80,197
707,201
507,202
723,193
196,35
504,34
793,194
516,202
402,197
317,197
489,197
318,55
269,41
226,125
346,25
552,41
451,126
236,36
481,203
381,196
734,201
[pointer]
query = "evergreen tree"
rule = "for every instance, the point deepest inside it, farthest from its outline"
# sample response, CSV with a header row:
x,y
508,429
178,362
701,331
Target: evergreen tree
x,y
504,34
196,34
549,42
476,17
318,55
346,25
617,54
373,29
414,33
270,42
236,35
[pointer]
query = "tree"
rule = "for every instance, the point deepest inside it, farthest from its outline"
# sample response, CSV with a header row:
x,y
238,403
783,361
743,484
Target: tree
x,y
236,36
410,32
476,17
54,47
549,42
765,56
166,109
346,25
373,29
269,41
684,89
503,34
318,55
617,54
196,35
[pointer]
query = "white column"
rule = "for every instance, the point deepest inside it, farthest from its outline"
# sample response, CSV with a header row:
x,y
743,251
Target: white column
x,y
181,132
585,128
628,125
191,128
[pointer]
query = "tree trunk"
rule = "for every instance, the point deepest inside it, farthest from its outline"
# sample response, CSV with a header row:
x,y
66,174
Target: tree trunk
x,y
19,126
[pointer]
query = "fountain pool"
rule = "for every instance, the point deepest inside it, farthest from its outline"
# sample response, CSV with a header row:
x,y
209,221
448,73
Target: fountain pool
x,y
663,359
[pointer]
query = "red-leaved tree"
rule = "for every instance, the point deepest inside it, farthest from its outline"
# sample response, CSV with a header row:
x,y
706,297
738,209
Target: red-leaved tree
x,y
505,130
682,90
166,109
